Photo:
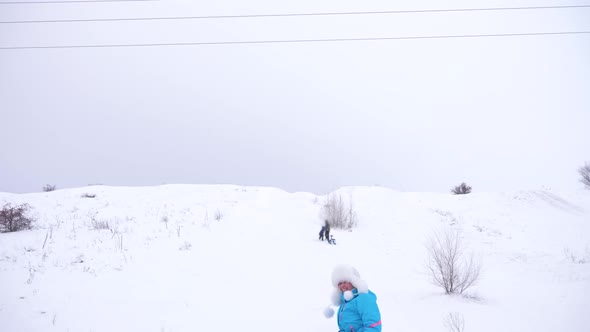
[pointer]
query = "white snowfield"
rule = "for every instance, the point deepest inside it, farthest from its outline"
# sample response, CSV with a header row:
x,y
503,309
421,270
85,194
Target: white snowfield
x,y
163,262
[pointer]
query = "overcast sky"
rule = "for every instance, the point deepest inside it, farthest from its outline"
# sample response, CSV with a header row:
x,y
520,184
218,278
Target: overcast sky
x,y
500,113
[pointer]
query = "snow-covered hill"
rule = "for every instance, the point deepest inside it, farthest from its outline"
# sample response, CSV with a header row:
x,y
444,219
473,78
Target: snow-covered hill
x,y
230,258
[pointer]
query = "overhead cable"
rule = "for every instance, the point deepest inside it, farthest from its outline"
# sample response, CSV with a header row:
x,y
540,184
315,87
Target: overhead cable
x,y
292,41
65,1
287,14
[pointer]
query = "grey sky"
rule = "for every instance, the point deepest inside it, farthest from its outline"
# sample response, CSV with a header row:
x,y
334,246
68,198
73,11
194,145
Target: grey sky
x,y
500,113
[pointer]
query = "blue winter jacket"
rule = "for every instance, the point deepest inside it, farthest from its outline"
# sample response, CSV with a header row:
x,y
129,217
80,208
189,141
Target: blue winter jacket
x,y
361,314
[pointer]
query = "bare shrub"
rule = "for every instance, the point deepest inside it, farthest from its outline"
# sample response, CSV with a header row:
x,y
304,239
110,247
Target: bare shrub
x,y
340,214
585,173
14,218
351,215
454,322
49,187
334,211
461,189
32,272
449,269
87,195
119,243
185,246
218,215
100,224
206,223
577,258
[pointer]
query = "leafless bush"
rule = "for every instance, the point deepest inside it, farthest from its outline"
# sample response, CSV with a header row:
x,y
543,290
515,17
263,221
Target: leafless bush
x,y
87,195
14,218
339,213
585,173
351,215
334,211
446,264
454,322
49,187
185,246
205,223
32,271
581,258
218,215
100,224
461,189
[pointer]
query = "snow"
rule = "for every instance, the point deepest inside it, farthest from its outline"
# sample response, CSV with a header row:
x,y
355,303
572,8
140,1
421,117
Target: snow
x,y
166,264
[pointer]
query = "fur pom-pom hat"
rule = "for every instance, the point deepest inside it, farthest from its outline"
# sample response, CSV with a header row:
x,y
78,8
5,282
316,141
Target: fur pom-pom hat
x,y
347,273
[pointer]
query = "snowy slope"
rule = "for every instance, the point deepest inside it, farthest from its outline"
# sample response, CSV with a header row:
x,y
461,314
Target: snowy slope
x,y
166,264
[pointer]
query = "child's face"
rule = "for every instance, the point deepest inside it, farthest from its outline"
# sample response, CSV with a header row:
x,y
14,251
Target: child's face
x,y
345,286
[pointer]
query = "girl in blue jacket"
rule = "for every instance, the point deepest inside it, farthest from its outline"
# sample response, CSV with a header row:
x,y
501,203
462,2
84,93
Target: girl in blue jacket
x,y
358,310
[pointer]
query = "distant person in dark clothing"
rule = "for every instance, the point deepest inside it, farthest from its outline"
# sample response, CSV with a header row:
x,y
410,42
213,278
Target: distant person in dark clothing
x,y
322,233
327,230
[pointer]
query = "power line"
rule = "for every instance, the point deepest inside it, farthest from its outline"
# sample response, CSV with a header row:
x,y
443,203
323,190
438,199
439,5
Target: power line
x,y
294,41
65,1
292,14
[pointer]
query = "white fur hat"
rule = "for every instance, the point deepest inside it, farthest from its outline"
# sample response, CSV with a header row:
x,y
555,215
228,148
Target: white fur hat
x,y
350,274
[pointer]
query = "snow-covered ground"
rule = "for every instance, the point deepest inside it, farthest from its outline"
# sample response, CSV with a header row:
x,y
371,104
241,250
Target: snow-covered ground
x,y
165,263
